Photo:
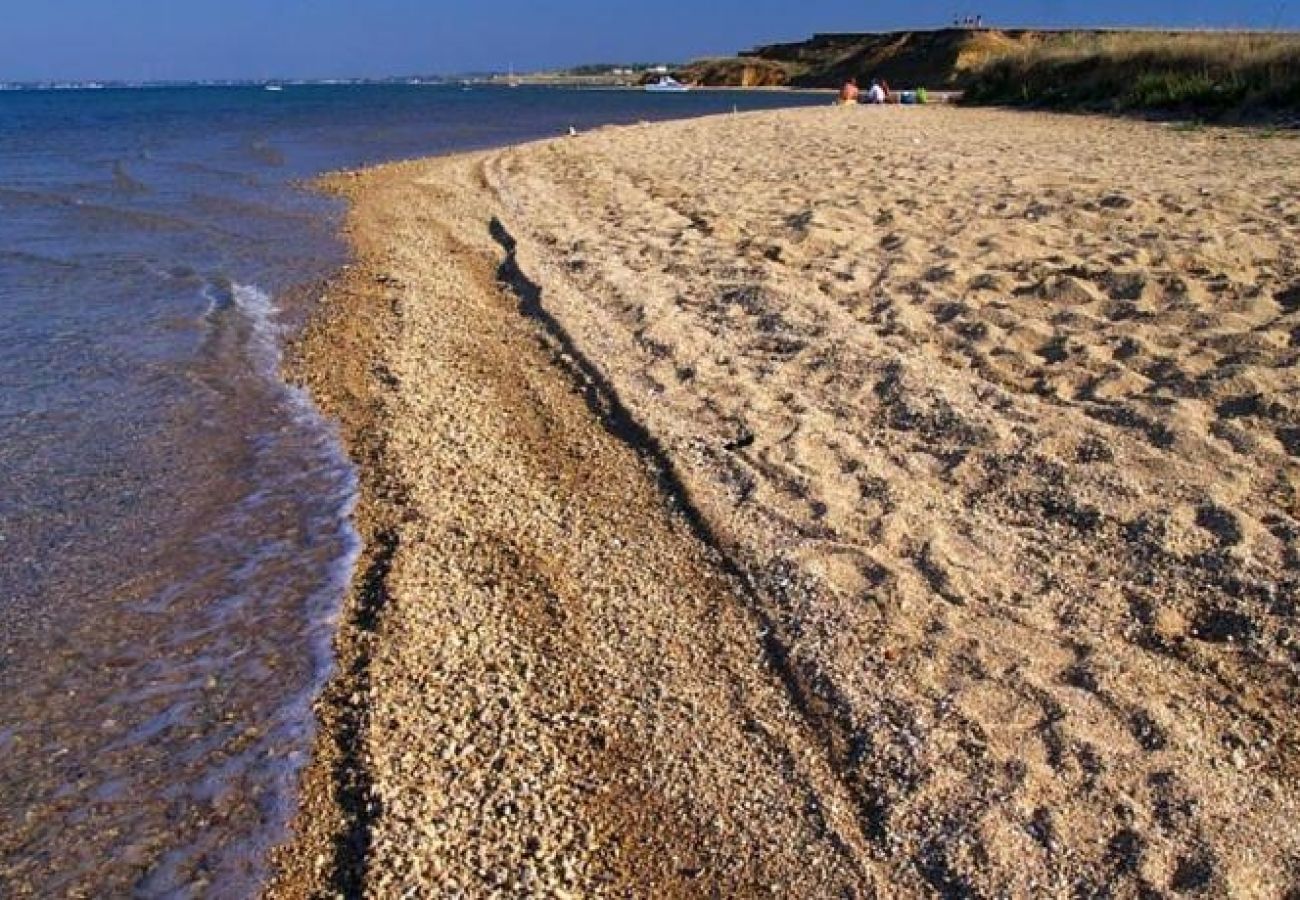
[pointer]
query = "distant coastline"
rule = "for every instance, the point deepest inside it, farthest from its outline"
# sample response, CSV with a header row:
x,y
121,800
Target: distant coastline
x,y
98,85
557,80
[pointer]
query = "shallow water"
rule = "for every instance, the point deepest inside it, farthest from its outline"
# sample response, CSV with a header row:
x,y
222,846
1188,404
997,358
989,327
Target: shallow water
x,y
174,519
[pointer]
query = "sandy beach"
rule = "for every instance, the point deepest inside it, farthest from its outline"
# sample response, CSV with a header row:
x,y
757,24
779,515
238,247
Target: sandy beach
x,y
867,503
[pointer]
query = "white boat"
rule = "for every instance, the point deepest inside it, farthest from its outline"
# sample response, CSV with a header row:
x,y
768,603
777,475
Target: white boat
x,y
667,84
272,87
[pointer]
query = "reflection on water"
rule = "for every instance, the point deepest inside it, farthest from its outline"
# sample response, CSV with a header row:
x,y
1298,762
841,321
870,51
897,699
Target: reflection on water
x,y
174,535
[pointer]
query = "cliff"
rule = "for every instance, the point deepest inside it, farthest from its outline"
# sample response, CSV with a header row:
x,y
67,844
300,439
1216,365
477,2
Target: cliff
x,y
938,59
1037,67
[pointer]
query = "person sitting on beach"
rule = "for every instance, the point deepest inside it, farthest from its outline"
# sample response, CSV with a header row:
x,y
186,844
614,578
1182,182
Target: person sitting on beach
x,y
849,93
876,94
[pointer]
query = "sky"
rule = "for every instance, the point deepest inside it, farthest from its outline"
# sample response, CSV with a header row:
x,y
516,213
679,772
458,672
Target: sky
x,y
196,39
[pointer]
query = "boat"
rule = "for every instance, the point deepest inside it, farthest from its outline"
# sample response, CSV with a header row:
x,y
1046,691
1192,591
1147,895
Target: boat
x,y
667,84
273,87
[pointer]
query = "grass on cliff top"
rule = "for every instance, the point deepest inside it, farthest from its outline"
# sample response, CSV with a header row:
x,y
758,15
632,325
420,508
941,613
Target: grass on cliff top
x,y
1214,74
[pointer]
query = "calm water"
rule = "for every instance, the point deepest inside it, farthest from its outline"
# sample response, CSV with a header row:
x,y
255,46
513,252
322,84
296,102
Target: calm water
x,y
174,519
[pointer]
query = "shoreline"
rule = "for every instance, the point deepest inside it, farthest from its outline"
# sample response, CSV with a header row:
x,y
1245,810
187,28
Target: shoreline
x,y
544,444
331,846
325,848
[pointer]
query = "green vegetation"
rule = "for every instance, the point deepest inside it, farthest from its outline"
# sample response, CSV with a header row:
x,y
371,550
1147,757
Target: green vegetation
x,y
1211,74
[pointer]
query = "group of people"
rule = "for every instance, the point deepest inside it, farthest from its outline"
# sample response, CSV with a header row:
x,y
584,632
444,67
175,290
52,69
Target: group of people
x,y
976,21
851,93
879,92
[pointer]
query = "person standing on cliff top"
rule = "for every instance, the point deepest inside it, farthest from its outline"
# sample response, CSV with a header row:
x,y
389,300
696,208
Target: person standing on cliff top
x,y
849,93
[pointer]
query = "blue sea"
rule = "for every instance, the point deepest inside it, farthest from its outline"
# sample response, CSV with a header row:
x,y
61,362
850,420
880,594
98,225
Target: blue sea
x,y
175,534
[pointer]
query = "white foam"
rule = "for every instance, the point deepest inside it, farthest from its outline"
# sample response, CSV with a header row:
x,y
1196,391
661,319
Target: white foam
x,y
305,459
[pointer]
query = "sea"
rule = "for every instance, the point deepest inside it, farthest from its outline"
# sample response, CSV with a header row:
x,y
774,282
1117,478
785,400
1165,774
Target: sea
x,y
175,518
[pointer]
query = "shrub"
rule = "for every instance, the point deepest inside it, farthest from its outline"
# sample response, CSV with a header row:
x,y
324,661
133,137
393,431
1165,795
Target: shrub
x,y
1213,73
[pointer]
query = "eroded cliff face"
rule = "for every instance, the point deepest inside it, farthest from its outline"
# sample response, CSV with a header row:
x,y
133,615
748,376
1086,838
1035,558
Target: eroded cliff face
x,y
735,71
933,58
946,58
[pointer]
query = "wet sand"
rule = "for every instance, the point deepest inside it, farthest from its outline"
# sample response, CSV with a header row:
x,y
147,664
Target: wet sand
x,y
874,502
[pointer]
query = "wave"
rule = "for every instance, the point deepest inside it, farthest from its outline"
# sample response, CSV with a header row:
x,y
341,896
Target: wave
x,y
37,260
300,464
17,198
250,312
102,216
91,213
217,205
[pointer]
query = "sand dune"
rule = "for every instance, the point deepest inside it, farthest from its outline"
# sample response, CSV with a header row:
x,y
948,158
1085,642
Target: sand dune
x,y
996,418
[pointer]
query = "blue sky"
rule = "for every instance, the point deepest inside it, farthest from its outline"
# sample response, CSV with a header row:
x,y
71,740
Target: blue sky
x,y
160,39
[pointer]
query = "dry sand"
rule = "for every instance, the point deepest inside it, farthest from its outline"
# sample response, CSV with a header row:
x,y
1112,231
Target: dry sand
x,y
873,502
